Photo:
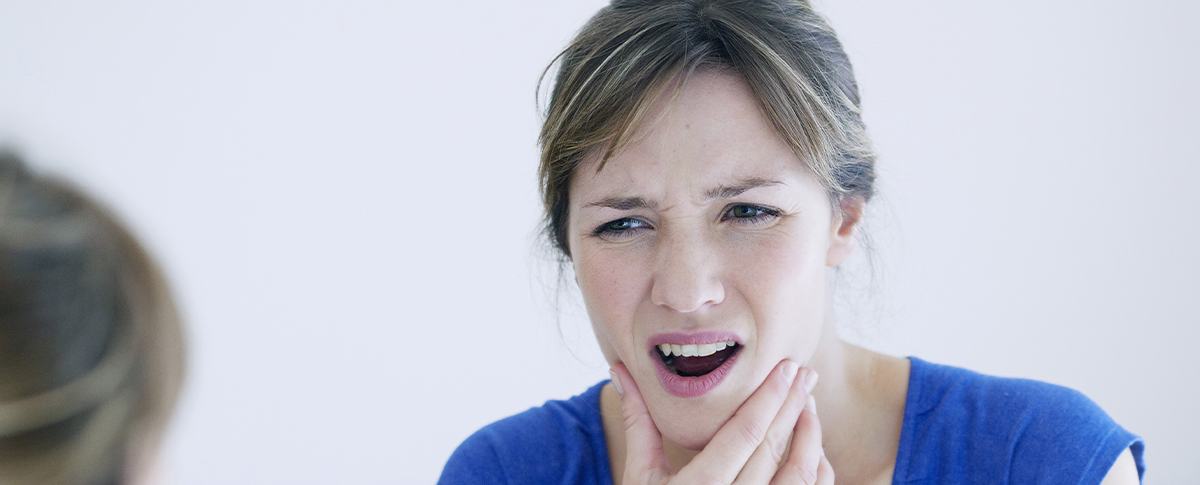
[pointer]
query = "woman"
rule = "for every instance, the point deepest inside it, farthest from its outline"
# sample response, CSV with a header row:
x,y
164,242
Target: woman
x,y
704,168
90,342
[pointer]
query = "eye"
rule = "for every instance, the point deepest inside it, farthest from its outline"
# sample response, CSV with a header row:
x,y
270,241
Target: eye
x,y
749,214
620,229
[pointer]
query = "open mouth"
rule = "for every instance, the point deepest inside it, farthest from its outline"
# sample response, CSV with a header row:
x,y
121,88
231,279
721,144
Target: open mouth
x,y
695,360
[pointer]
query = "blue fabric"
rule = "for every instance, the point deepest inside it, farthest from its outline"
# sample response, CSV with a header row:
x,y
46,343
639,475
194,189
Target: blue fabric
x,y
559,442
959,427
964,427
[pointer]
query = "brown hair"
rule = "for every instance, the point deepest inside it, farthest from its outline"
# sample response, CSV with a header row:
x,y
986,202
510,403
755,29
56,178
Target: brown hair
x,y
632,50
91,346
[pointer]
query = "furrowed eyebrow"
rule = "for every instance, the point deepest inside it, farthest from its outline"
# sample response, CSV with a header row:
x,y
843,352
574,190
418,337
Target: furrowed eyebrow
x,y
728,191
623,203
718,192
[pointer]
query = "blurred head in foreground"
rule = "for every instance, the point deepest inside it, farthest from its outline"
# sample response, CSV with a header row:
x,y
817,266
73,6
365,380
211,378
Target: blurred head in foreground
x,y
91,347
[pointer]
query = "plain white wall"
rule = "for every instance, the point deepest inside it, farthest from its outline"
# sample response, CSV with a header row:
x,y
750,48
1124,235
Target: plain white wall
x,y
344,195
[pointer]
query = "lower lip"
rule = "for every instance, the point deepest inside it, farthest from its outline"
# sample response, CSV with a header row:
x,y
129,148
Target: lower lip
x,y
682,386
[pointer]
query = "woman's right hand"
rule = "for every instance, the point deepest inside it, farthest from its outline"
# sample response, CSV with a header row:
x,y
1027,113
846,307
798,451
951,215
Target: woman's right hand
x,y
774,437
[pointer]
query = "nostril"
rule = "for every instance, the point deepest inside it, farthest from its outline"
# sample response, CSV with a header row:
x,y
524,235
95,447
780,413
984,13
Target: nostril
x,y
687,298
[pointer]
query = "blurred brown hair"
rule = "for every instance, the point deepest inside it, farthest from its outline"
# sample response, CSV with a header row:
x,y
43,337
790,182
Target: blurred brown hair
x,y
91,351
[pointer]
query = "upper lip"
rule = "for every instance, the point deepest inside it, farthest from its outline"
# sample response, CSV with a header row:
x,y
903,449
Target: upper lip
x,y
681,338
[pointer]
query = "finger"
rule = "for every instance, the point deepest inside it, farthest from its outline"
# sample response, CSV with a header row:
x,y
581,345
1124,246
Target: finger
x,y
771,452
825,472
804,457
643,444
737,439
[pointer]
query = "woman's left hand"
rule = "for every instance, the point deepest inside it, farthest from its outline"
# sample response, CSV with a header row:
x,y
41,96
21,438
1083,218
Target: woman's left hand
x,y
805,461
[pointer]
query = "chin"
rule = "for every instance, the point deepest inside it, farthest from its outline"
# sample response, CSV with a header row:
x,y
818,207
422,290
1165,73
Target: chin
x,y
693,438
693,424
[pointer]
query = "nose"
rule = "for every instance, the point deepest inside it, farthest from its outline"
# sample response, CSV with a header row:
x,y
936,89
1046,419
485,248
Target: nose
x,y
686,274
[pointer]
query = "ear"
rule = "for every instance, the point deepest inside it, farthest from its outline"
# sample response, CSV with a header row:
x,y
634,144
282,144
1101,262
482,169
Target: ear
x,y
845,221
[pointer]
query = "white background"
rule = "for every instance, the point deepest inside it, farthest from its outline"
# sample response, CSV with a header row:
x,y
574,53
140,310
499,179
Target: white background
x,y
344,196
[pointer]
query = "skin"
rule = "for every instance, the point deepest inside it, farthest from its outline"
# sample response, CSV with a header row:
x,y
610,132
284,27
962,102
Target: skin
x,y
146,468
690,264
757,263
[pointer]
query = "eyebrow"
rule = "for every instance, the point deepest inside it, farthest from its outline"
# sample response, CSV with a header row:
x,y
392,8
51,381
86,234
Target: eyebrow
x,y
718,192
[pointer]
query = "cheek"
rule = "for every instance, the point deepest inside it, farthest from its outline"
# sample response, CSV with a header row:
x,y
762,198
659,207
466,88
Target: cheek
x,y
782,278
611,285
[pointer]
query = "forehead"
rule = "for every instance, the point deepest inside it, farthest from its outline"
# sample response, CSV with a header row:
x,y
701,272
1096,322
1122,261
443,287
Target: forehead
x,y
711,130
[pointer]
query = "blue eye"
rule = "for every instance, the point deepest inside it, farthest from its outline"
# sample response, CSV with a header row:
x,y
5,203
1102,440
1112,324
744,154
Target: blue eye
x,y
629,227
621,228
749,214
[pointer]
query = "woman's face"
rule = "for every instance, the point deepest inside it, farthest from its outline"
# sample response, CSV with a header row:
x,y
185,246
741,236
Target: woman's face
x,y
705,230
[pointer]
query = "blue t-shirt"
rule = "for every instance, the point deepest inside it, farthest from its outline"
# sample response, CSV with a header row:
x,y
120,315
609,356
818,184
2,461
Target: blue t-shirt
x,y
959,427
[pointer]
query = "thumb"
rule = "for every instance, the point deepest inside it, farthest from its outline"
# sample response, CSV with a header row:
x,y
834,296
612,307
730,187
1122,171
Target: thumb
x,y
644,456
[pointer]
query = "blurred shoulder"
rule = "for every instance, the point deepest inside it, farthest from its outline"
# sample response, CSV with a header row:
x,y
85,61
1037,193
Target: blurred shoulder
x,y
542,444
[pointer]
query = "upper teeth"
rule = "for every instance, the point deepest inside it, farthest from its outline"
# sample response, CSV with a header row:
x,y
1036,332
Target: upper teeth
x,y
694,350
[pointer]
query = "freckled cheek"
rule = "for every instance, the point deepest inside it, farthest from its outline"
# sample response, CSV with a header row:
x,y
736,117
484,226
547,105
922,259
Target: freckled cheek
x,y
610,286
776,264
782,280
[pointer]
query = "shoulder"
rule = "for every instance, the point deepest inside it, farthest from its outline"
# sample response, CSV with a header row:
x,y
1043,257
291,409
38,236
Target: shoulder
x,y
1032,430
540,445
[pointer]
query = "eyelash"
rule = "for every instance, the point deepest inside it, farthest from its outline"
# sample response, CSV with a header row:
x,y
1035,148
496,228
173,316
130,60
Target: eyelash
x,y
609,231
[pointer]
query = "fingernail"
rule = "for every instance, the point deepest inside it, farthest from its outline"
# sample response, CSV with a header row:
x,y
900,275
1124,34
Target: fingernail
x,y
810,379
616,383
789,371
812,403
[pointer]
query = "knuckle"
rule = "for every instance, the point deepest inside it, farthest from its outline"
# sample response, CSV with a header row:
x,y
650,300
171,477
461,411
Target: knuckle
x,y
632,420
750,432
781,387
776,448
806,476
809,477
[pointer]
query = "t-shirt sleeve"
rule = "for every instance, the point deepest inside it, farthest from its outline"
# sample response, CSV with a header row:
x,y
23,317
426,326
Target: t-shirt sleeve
x,y
1117,441
1067,438
475,461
